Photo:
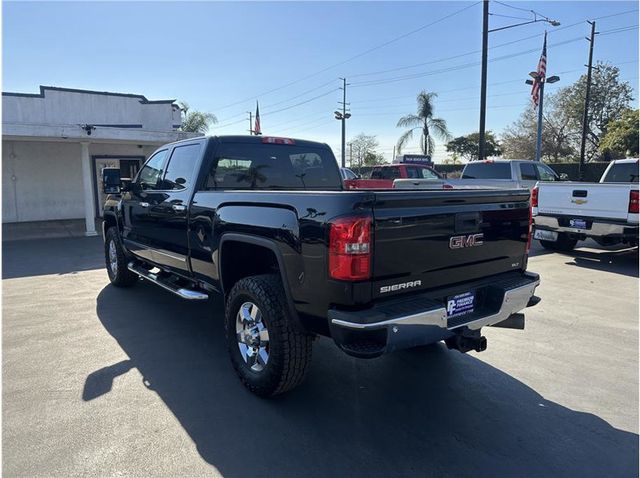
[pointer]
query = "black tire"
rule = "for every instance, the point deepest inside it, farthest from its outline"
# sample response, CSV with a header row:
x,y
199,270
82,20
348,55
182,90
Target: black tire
x,y
564,243
288,349
120,275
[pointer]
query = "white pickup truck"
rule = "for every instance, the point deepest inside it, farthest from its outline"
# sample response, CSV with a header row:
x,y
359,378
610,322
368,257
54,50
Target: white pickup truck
x,y
567,212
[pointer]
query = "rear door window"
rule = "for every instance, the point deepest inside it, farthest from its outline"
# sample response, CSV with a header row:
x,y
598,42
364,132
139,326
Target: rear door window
x,y
545,173
622,173
482,170
273,166
181,168
528,172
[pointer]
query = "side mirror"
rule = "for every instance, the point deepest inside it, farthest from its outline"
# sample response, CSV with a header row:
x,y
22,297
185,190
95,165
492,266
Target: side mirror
x,y
111,181
564,177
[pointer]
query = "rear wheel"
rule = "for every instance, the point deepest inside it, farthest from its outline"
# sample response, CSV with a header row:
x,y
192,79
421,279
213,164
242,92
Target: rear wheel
x,y
269,355
116,261
563,243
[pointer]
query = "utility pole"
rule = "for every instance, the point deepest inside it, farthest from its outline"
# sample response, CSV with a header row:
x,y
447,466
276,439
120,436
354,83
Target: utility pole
x,y
343,116
250,122
483,80
585,115
344,112
393,158
350,154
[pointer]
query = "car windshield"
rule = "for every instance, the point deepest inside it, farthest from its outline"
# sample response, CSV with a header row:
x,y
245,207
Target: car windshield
x,y
622,173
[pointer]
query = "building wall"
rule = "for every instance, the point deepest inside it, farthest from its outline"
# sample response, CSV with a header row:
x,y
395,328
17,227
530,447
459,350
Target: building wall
x,y
42,180
65,107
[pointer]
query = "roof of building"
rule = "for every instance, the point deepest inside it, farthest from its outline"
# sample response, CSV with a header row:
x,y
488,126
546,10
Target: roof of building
x,y
143,99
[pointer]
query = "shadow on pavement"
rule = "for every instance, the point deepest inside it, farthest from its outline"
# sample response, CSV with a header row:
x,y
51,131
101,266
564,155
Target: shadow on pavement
x,y
424,411
623,261
51,256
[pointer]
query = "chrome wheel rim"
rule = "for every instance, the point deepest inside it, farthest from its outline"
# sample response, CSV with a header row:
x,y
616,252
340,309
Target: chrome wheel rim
x,y
113,257
252,336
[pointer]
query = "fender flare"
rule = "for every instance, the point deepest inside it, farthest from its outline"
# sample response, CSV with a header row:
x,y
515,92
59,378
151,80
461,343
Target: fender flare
x,y
268,244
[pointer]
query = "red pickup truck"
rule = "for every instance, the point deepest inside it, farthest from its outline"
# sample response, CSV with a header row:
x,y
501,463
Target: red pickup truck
x,y
382,176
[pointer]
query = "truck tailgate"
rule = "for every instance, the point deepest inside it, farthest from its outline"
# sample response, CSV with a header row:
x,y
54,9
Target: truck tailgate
x,y
597,200
438,238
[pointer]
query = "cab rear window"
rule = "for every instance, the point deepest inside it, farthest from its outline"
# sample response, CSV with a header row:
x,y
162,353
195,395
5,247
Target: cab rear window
x,y
273,166
622,173
482,170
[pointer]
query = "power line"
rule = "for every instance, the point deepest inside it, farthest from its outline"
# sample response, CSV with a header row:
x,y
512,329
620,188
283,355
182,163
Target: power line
x,y
366,52
301,103
536,36
445,70
454,68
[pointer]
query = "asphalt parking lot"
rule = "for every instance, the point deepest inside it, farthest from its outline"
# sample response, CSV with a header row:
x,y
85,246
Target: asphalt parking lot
x,y
99,381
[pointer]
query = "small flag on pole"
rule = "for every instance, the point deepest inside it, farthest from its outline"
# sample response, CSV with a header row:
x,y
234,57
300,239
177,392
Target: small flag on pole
x,y
256,128
541,74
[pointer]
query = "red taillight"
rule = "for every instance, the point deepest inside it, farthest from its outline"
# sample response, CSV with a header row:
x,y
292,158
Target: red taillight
x,y
447,186
350,248
530,236
274,140
633,202
534,197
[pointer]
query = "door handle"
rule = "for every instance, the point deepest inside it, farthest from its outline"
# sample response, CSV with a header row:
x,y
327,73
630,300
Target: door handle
x,y
144,204
179,207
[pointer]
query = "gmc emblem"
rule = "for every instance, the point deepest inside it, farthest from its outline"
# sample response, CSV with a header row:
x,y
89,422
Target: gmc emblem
x,y
472,240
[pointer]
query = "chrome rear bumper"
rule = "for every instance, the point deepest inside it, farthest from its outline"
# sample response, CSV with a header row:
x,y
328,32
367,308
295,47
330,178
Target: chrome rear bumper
x,y
420,320
597,229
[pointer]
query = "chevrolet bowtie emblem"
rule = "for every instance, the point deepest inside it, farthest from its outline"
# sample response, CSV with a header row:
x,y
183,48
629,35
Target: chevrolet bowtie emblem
x,y
579,201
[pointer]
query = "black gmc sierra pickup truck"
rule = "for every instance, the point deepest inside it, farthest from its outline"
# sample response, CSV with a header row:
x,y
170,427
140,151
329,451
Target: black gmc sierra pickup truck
x,y
266,222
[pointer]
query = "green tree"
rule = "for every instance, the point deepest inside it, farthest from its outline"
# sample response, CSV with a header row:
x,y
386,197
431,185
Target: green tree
x,y
559,138
609,98
371,158
424,121
621,138
363,148
467,146
195,121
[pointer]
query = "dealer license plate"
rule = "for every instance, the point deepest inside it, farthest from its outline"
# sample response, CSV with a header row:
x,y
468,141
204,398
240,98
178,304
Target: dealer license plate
x,y
578,223
543,235
460,304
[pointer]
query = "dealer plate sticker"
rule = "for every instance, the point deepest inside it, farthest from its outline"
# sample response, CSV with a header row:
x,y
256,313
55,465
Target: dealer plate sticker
x,y
543,235
578,223
460,304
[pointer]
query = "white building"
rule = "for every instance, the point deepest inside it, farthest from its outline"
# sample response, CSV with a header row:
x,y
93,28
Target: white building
x,y
55,144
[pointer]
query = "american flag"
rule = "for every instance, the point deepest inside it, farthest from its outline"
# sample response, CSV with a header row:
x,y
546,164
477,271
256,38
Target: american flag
x,y
256,128
541,74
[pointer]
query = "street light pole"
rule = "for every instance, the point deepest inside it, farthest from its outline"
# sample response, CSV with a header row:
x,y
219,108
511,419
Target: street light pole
x,y
483,80
539,137
551,79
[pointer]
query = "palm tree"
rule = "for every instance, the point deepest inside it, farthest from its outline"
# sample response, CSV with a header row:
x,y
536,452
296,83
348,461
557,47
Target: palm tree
x,y
425,121
195,121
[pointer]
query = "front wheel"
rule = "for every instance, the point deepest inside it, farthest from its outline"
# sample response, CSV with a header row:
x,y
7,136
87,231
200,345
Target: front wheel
x,y
116,261
267,352
564,243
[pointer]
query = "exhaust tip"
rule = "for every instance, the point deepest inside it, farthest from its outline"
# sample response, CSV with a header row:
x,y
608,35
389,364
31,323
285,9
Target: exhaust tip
x,y
481,344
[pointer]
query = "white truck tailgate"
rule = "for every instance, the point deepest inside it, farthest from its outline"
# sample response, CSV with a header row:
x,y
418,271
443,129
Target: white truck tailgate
x,y
598,200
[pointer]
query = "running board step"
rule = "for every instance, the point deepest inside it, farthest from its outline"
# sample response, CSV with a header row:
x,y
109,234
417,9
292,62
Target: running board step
x,y
182,292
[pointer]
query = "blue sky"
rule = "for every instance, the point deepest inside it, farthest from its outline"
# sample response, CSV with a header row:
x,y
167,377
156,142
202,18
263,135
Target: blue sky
x,y
223,56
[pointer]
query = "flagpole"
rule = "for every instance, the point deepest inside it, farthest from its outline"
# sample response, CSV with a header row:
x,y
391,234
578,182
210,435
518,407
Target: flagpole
x,y
539,137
